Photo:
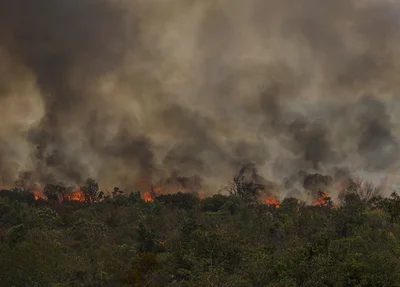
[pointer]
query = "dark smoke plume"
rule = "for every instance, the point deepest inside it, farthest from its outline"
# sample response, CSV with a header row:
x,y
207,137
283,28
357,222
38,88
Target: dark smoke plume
x,y
187,92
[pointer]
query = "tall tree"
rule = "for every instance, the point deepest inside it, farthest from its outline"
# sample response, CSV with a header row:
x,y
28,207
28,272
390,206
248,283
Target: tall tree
x,y
90,190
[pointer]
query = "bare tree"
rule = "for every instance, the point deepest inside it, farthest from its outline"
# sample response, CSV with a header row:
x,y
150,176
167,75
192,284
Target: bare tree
x,y
248,188
365,190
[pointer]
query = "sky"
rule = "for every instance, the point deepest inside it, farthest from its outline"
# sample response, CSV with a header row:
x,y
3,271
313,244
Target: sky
x,y
120,90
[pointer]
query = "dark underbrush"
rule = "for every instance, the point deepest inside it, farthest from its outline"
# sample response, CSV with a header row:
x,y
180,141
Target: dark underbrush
x,y
181,240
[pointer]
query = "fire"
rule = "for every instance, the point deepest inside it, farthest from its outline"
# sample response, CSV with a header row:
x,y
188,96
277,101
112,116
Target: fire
x,y
39,195
76,196
324,200
150,195
272,202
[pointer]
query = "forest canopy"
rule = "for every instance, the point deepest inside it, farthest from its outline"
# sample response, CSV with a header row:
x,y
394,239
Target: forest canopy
x,y
184,239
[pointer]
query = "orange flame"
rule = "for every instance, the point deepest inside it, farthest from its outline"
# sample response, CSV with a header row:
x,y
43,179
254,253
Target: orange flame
x,y
150,195
39,195
76,196
323,200
273,202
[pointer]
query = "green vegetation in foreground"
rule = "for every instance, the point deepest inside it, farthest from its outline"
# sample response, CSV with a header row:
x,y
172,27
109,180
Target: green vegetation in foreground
x,y
180,240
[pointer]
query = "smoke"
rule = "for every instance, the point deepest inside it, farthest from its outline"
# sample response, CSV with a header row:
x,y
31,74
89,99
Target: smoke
x,y
175,90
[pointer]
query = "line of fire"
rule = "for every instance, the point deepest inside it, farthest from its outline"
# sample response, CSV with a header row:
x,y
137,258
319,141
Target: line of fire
x,y
317,190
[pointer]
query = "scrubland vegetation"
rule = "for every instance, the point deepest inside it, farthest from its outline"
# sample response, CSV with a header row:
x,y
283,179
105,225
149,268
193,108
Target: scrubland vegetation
x,y
182,240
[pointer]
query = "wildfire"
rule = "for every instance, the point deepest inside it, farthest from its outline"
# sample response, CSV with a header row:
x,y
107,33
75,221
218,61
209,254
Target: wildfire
x,y
323,200
39,195
150,195
76,196
273,202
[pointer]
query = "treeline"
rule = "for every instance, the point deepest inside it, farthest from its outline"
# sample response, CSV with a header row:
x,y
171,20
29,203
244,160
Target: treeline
x,y
182,240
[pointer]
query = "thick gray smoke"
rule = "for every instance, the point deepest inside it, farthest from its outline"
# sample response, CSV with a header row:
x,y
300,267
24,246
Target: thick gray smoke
x,y
119,90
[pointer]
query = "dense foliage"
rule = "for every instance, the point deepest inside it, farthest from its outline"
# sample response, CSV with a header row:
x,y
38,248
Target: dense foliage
x,y
181,240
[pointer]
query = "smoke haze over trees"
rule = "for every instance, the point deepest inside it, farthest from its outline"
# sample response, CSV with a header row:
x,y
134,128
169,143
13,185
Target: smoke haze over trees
x,y
121,90
199,143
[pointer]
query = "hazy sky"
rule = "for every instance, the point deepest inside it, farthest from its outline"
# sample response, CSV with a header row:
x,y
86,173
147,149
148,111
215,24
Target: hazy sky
x,y
118,90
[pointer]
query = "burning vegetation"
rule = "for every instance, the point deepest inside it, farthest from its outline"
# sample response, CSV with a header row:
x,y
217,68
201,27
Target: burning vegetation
x,y
147,246
151,194
248,221
272,202
247,185
324,200
184,93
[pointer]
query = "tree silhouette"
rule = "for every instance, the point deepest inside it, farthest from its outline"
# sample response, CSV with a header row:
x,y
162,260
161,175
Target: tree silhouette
x,y
90,190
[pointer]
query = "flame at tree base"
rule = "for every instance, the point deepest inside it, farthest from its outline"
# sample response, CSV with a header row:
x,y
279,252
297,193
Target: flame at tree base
x,y
74,196
273,202
39,195
324,201
151,194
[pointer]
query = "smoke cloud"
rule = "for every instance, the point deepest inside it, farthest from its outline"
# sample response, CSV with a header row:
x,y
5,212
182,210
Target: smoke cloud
x,y
175,90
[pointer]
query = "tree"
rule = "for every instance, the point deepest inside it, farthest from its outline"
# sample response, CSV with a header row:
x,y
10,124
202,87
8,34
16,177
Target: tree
x,y
146,239
180,200
90,190
117,192
392,206
53,192
214,203
23,181
134,197
366,191
246,185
